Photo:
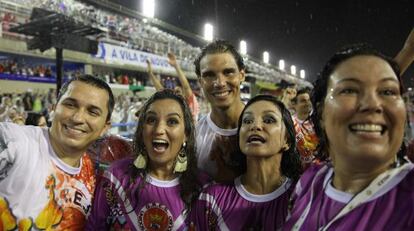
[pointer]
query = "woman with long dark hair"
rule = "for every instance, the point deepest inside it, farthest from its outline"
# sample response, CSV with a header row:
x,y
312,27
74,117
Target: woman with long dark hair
x,y
155,190
259,198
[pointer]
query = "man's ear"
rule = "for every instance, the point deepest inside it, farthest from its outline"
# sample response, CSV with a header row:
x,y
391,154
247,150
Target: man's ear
x,y
107,126
242,76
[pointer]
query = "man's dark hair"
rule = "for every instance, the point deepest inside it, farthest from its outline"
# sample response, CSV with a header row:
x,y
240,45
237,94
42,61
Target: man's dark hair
x,y
300,92
93,81
33,118
283,84
216,47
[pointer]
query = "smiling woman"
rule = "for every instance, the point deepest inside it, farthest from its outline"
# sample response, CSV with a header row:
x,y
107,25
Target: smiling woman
x,y
360,120
157,188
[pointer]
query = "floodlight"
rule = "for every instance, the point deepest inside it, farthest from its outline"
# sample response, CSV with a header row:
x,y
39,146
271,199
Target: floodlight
x,y
282,64
266,57
149,8
243,47
293,70
208,32
302,74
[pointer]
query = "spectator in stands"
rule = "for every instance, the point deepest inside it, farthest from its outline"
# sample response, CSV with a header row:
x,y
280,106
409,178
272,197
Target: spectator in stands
x,y
9,21
37,103
28,100
13,115
112,78
185,88
259,198
19,120
9,112
306,138
132,119
118,115
56,188
48,72
288,93
220,70
36,119
6,104
18,103
161,182
360,118
124,79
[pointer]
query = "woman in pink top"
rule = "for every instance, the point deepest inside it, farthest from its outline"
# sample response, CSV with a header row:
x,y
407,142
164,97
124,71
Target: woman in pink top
x,y
154,190
359,117
259,198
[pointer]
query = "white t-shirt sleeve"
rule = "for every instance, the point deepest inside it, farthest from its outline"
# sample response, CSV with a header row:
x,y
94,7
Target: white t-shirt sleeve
x,y
8,140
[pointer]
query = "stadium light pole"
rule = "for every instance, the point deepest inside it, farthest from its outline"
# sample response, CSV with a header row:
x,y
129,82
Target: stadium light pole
x,y
293,70
302,74
243,47
266,57
282,64
149,8
208,32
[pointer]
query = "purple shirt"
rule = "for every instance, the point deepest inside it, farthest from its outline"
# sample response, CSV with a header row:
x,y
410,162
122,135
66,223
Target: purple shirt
x,y
389,208
123,203
232,207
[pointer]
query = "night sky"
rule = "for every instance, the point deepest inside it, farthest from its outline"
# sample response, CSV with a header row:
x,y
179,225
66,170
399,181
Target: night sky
x,y
303,33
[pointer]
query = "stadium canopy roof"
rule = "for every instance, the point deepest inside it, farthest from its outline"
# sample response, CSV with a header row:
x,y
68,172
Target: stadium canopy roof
x,y
49,29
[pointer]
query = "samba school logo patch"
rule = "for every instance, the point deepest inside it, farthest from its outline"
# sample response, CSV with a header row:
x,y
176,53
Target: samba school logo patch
x,y
155,216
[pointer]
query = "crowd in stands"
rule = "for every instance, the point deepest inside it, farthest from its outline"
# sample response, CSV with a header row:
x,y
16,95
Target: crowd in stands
x,y
122,30
135,33
12,66
15,106
121,78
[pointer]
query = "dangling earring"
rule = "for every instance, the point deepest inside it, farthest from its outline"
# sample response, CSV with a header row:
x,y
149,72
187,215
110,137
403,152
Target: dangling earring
x,y
181,162
141,161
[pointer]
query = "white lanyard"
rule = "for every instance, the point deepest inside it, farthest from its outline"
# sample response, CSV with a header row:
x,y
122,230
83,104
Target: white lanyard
x,y
302,217
359,199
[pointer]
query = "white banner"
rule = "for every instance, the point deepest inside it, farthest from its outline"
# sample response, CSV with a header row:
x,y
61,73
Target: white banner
x,y
122,55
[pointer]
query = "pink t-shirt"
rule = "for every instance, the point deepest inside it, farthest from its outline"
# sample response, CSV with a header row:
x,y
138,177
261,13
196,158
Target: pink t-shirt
x,y
389,208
